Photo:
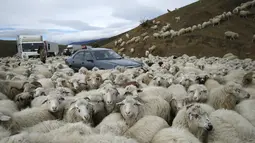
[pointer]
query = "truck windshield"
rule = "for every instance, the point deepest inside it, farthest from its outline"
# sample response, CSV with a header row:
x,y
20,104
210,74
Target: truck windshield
x,y
31,47
106,55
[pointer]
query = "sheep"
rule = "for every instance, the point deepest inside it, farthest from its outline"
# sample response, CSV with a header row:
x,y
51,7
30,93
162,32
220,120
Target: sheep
x,y
145,128
114,124
132,109
120,40
194,118
156,35
132,50
240,77
127,35
159,81
174,134
25,118
231,35
165,34
198,92
12,88
244,13
226,96
199,26
144,34
2,96
230,127
146,37
178,18
246,108
4,133
115,43
79,110
228,15
215,21
8,105
122,44
153,47
46,82
154,27
205,24
211,84
45,126
93,80
194,27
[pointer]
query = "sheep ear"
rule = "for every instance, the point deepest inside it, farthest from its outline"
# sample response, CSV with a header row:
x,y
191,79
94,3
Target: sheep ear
x,y
188,106
173,103
247,79
190,116
44,101
120,103
139,90
37,84
86,98
4,118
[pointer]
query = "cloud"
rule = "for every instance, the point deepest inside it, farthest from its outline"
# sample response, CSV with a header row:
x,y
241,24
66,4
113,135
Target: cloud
x,y
75,24
64,20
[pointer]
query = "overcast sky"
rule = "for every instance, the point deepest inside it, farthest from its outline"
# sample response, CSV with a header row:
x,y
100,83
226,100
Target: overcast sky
x,y
65,21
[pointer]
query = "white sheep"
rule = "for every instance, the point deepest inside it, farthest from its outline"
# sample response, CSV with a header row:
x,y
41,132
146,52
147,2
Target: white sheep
x,y
4,133
177,18
8,105
25,118
127,35
146,37
165,34
211,83
132,50
174,134
122,44
45,126
132,109
144,34
156,35
145,128
79,110
226,96
246,108
154,27
228,15
120,40
198,93
153,47
244,13
194,27
215,21
230,127
2,96
231,35
195,118
115,43
199,26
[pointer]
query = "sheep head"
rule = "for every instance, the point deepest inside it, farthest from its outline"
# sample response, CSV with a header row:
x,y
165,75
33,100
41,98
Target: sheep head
x,y
54,102
198,93
237,91
24,99
93,80
197,117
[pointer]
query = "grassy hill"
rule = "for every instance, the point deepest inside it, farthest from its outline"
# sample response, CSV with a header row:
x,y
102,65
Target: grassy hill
x,y
205,42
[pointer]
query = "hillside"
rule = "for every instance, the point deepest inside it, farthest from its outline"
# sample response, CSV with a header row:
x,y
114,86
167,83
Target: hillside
x,y
209,41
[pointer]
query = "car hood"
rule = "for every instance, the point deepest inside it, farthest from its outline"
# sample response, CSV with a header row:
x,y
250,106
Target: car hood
x,y
121,62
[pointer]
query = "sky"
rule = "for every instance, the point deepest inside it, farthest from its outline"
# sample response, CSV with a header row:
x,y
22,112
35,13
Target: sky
x,y
66,21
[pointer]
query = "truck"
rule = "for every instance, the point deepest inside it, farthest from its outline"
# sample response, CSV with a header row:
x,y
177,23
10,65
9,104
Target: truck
x,y
27,45
52,48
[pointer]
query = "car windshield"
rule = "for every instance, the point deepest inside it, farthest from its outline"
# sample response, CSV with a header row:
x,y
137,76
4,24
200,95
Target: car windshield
x,y
106,55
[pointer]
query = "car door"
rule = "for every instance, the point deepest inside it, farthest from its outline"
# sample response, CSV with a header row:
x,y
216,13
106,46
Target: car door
x,y
77,61
88,60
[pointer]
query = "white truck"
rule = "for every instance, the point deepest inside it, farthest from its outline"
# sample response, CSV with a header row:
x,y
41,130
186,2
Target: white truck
x,y
52,48
28,45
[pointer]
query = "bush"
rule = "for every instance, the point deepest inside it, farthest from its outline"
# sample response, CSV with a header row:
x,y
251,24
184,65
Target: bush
x,y
145,23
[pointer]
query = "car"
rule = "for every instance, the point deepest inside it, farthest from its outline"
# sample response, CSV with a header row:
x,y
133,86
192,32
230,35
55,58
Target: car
x,y
101,58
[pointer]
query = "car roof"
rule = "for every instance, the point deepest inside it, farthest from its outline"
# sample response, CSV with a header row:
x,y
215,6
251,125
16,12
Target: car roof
x,y
94,49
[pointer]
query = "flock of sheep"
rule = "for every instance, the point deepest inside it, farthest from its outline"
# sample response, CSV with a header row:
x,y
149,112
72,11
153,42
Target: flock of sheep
x,y
166,30
167,100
